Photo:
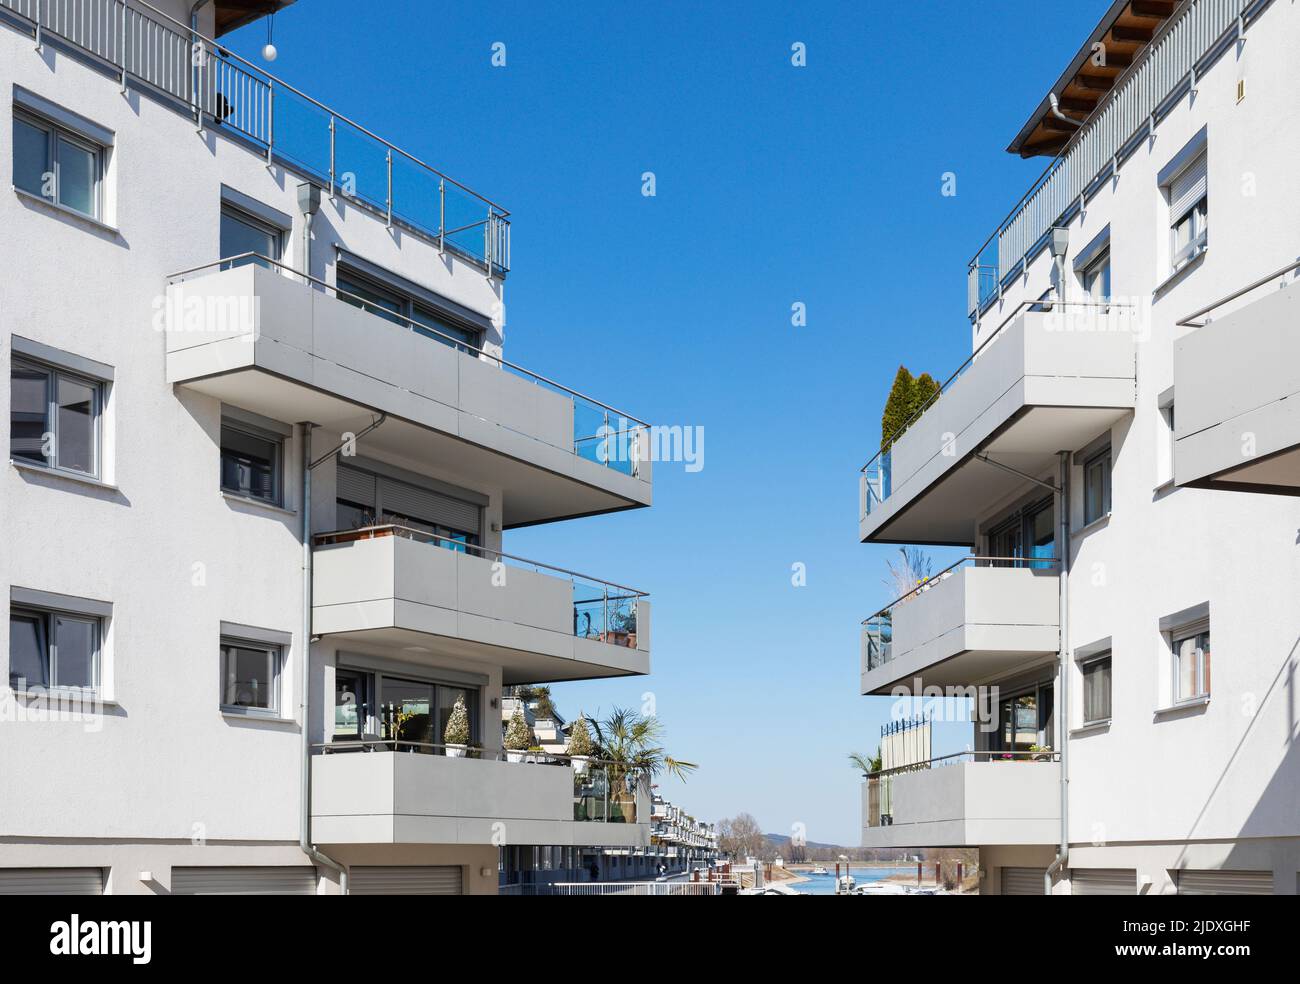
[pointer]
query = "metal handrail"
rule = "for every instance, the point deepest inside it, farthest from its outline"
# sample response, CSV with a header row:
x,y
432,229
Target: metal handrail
x,y
323,539
1189,320
916,415
418,327
1023,561
1052,755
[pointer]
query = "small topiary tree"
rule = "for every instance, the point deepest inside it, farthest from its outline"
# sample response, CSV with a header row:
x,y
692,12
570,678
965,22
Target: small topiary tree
x,y
580,742
908,396
457,730
519,737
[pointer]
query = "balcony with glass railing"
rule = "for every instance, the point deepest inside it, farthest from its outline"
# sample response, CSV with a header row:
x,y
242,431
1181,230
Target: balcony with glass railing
x,y
1052,376
152,52
393,585
976,619
390,791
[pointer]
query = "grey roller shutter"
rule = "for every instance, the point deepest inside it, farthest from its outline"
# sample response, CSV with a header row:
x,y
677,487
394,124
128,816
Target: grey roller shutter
x,y
429,506
440,880
1225,883
1103,881
298,880
1023,881
51,881
357,486
1187,189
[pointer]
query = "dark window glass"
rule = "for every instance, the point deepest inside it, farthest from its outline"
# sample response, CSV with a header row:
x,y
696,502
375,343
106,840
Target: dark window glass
x,y
32,171
29,653
78,175
367,298
1096,689
249,677
28,409
408,711
351,704
76,434
243,234
1096,487
249,464
444,331
76,645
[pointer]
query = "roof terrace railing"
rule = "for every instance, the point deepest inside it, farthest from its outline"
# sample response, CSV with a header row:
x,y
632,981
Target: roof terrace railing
x,y
1143,93
145,46
601,433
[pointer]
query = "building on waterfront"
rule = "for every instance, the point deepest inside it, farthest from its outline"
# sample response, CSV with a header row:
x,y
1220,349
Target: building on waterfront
x,y
1122,454
263,454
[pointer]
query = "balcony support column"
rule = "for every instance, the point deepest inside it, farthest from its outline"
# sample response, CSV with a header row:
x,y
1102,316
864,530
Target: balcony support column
x,y
1063,661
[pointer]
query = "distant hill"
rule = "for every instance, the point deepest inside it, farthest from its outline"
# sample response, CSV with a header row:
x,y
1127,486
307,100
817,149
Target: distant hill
x,y
780,840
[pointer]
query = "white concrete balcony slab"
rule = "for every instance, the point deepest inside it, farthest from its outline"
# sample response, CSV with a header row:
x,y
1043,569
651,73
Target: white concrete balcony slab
x,y
967,804
1047,382
1237,398
404,797
262,339
396,587
965,626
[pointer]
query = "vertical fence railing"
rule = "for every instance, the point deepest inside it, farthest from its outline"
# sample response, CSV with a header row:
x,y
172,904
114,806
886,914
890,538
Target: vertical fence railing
x,y
1169,63
145,45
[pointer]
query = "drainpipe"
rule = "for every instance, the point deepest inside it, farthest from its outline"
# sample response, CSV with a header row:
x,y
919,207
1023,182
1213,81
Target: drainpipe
x,y
308,205
1056,110
304,683
1063,702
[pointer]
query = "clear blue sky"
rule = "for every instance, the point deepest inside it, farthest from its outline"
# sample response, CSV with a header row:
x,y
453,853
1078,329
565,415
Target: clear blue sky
x,y
775,184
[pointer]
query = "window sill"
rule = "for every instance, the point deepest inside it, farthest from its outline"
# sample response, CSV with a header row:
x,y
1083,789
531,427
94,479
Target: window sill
x,y
1091,728
75,477
231,714
64,696
1195,704
1181,272
71,213
1101,522
248,500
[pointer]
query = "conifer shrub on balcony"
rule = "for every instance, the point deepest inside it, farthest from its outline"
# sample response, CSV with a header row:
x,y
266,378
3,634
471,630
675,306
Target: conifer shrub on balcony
x,y
519,737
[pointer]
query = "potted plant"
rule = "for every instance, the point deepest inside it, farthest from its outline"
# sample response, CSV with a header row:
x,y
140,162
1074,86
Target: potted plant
x,y
456,734
581,747
519,737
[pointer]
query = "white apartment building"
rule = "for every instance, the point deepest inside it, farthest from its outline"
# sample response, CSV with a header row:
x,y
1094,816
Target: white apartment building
x,y
263,449
1121,455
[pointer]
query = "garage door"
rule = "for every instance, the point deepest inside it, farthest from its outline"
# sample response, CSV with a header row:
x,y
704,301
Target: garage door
x,y
1103,881
1225,883
51,881
441,880
298,880
1023,881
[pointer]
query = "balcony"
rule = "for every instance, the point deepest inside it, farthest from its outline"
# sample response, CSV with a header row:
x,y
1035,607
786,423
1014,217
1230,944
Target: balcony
x,y
1044,382
155,54
399,587
1236,382
259,337
972,622
970,799
404,793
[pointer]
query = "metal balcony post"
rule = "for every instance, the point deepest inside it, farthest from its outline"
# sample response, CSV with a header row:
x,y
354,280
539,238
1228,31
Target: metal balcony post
x,y
389,159
605,606
442,212
331,155
121,45
270,119
40,7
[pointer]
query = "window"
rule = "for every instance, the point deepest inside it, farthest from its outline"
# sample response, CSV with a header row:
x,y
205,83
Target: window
x,y
54,417
402,308
1029,533
1096,278
405,709
367,499
251,461
250,677
242,233
1096,486
1096,688
1191,670
53,650
57,165
1188,213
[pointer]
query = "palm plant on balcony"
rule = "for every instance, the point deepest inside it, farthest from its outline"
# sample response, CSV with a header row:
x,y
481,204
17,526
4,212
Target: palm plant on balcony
x,y
629,744
456,735
519,737
581,747
868,764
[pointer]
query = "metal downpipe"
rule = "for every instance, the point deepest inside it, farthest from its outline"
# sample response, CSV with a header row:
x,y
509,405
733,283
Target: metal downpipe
x,y
1063,702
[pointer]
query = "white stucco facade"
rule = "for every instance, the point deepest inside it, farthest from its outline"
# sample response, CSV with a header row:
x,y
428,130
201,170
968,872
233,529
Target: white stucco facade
x,y
1162,789
163,779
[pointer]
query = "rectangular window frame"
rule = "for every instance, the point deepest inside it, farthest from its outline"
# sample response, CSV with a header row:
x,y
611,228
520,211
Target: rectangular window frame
x,y
1197,219
374,724
1097,271
275,233
49,618
54,133
1086,664
53,374
277,465
276,651
1103,457
1191,631
409,308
